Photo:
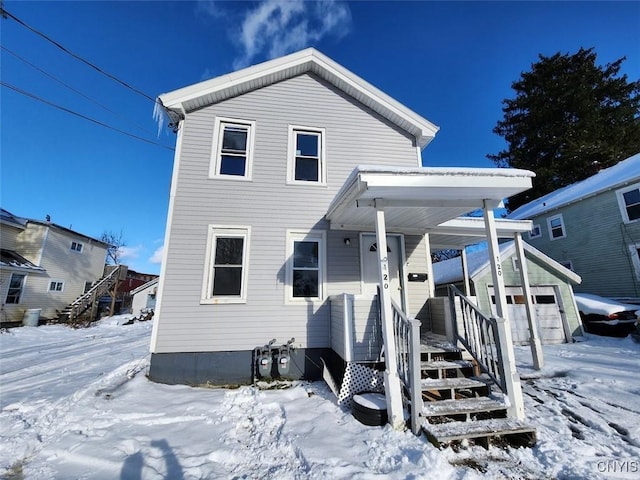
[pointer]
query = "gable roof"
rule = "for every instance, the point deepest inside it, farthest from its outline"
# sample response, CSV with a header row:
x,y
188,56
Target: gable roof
x,y
13,260
450,271
621,174
184,100
144,286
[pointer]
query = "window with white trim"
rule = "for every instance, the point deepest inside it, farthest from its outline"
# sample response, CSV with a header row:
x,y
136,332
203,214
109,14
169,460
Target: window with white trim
x,y
16,285
567,264
56,286
227,257
306,158
77,247
556,227
629,202
535,232
233,142
305,265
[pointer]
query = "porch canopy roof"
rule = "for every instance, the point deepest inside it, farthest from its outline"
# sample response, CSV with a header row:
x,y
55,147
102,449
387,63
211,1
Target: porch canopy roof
x,y
428,200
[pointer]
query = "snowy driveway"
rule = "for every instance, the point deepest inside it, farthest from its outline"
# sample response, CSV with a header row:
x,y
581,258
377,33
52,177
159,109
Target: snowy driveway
x,y
77,404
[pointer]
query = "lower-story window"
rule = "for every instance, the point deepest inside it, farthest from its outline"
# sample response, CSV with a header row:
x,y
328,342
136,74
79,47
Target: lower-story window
x,y
56,286
306,265
227,259
16,284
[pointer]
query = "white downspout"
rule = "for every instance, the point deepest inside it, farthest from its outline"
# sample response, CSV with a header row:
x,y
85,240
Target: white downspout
x,y
512,379
536,345
391,379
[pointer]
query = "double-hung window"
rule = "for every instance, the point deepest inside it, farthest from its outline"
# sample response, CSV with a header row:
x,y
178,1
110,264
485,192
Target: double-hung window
x,y
232,148
629,202
16,284
225,278
306,265
306,159
535,232
56,286
556,227
76,247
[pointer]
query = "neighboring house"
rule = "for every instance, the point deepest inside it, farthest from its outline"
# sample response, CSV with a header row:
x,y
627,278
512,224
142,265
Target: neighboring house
x,y
273,226
551,287
593,228
44,266
144,297
132,282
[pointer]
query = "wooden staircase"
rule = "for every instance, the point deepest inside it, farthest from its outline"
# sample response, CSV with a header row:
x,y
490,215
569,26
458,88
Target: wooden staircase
x,y
461,404
86,304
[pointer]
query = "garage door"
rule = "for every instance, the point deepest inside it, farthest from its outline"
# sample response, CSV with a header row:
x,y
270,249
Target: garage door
x,y
547,310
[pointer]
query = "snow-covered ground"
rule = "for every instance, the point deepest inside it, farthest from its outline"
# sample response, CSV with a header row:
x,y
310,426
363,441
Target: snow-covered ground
x,y
76,404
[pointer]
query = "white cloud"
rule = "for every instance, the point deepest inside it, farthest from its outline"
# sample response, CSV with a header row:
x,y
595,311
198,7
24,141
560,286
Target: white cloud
x,y
129,253
157,255
210,7
277,27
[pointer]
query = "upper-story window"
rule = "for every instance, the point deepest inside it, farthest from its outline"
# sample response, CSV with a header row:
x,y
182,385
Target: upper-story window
x,y
556,227
306,159
77,246
629,202
535,232
232,149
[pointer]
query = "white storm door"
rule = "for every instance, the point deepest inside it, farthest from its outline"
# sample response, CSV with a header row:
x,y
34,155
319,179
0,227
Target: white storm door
x,y
370,281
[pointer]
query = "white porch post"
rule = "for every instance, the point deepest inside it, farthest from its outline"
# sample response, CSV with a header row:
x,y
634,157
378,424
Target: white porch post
x,y
431,280
465,272
536,345
391,379
512,379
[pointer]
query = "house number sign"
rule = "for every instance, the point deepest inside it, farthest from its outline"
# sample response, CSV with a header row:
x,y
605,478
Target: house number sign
x,y
498,266
385,273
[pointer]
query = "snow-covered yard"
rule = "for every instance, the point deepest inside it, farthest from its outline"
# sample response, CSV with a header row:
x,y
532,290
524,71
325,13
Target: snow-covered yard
x,y
77,404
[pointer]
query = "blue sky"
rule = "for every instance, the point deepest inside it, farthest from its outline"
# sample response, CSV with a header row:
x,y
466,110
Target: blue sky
x,y
452,62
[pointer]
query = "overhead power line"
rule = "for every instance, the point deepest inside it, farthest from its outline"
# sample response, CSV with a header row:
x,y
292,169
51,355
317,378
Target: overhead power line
x,y
5,13
64,109
53,77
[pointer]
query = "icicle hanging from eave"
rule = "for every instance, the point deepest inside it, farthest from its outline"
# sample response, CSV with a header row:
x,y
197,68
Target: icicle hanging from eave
x,y
159,115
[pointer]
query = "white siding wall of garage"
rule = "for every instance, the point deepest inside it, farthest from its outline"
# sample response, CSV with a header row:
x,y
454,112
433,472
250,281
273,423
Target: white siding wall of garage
x,y
354,135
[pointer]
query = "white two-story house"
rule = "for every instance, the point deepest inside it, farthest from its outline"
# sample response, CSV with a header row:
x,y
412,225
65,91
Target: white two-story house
x,y
44,266
300,212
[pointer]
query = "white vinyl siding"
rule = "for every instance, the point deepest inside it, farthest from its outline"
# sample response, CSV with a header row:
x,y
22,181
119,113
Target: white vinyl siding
x,y
556,227
306,266
232,151
306,163
271,207
629,202
225,277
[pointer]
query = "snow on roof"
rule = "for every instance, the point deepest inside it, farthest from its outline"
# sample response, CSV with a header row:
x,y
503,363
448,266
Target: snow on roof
x,y
9,218
624,172
450,271
9,258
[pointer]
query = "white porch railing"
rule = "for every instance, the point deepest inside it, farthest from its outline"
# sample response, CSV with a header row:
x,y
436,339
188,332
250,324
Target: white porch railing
x,y
407,341
479,335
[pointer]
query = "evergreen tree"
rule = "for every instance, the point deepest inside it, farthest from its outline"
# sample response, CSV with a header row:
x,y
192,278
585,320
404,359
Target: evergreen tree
x,y
570,118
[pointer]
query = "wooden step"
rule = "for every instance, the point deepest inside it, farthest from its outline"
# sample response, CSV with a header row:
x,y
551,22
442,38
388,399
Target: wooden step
x,y
453,385
443,366
463,407
515,431
439,352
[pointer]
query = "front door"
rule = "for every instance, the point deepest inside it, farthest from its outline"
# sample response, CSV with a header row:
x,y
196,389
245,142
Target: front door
x,y
369,249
